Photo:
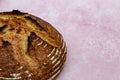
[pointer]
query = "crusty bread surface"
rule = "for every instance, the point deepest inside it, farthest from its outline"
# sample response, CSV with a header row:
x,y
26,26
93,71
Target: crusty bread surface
x,y
30,48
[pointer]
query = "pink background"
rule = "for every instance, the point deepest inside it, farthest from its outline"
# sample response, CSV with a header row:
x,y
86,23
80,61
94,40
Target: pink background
x,y
91,29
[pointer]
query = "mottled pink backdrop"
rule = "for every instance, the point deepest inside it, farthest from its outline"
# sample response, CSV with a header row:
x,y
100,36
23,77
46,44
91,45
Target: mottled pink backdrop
x,y
91,29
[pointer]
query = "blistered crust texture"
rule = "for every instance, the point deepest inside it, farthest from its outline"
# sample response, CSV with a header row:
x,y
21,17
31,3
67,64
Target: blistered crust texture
x,y
30,48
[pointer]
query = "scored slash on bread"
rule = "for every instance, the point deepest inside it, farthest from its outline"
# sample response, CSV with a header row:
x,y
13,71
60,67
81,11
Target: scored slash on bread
x,y
30,48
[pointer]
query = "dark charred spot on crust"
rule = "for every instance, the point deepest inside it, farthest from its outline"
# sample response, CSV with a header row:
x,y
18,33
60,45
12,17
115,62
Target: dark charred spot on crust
x,y
19,30
17,12
33,20
11,29
6,43
14,12
2,28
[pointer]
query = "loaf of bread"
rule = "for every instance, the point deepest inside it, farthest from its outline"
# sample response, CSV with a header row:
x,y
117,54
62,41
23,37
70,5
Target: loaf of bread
x,y
30,48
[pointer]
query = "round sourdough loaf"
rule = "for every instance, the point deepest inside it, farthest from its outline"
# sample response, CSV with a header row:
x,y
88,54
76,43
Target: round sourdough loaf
x,y
30,48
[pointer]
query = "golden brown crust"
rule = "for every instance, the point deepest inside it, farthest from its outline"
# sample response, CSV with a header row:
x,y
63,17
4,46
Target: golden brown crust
x,y
30,48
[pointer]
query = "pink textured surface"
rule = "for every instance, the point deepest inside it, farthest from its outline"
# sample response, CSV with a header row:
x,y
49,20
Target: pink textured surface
x,y
91,30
